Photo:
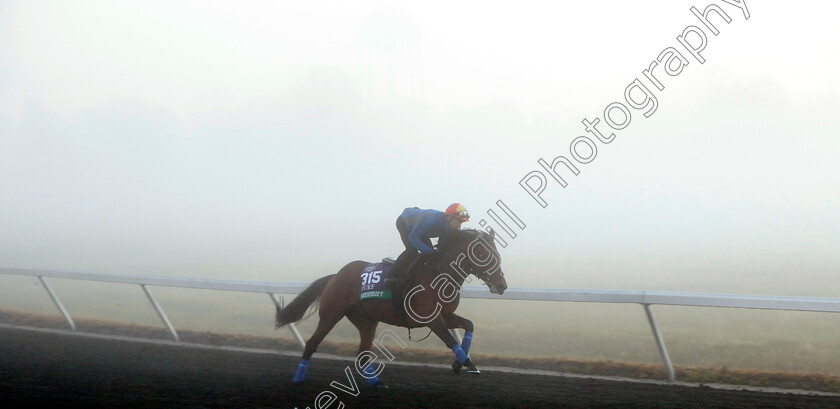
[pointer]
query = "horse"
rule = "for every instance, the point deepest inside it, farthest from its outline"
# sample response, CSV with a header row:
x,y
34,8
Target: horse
x,y
431,301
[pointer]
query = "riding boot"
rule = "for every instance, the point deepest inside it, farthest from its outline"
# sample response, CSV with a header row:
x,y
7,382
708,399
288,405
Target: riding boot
x,y
401,266
402,280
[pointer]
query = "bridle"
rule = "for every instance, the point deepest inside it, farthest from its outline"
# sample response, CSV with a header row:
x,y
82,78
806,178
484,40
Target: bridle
x,y
485,276
472,270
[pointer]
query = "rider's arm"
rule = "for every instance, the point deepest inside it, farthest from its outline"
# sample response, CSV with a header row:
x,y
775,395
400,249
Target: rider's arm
x,y
415,237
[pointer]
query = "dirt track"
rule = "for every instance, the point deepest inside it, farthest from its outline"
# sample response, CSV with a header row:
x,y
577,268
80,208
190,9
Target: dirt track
x,y
71,371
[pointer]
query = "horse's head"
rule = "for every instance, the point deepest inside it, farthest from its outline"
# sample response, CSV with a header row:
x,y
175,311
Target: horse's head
x,y
478,257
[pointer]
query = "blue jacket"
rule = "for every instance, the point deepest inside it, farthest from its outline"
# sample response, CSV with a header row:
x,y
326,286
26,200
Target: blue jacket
x,y
423,224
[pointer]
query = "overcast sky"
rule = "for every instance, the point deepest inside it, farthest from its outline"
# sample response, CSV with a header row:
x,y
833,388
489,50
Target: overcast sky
x,y
279,140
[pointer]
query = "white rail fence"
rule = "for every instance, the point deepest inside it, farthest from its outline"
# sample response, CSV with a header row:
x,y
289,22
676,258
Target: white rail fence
x,y
643,298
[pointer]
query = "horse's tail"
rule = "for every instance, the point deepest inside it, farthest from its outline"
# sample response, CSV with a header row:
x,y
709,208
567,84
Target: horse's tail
x,y
295,310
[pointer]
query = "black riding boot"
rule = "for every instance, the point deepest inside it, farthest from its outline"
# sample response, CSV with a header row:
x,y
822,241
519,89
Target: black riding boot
x,y
400,278
406,259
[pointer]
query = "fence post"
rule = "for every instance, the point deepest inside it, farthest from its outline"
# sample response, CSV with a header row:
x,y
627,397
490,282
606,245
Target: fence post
x,y
57,302
457,335
160,313
661,344
292,327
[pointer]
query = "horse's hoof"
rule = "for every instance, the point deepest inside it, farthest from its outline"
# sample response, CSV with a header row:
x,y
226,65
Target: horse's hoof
x,y
456,367
471,369
377,384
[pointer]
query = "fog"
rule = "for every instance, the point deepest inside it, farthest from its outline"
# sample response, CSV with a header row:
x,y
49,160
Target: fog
x,y
279,140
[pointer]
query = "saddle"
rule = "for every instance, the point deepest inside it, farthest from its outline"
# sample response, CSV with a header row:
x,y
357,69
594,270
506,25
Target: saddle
x,y
377,283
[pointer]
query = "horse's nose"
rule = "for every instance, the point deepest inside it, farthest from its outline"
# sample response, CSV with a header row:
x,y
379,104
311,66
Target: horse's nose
x,y
502,287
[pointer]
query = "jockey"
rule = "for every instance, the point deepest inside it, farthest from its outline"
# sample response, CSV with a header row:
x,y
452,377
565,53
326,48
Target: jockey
x,y
416,227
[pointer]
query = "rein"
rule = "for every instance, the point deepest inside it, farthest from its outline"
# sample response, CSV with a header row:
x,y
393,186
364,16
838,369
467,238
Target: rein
x,y
470,271
409,335
442,258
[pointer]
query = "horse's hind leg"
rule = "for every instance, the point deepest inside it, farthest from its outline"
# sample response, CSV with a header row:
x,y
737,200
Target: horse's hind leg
x,y
328,319
366,327
367,333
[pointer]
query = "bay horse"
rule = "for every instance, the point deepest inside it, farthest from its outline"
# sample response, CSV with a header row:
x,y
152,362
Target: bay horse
x,y
431,301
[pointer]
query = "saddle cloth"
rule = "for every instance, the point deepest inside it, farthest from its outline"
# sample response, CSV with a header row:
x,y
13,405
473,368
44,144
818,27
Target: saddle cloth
x,y
373,278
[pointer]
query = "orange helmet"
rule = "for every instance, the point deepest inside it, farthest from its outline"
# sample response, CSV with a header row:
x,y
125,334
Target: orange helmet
x,y
459,211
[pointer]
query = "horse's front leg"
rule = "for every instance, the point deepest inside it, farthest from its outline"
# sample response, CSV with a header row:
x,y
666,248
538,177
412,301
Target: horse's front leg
x,y
456,321
439,327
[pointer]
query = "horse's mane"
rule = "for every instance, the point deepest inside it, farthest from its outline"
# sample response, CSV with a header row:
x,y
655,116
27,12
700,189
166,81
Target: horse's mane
x,y
456,237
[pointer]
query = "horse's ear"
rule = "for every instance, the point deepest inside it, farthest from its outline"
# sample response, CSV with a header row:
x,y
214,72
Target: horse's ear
x,y
493,233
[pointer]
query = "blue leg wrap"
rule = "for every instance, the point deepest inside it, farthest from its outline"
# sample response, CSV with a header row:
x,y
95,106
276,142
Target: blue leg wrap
x,y
300,375
460,355
465,344
369,371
